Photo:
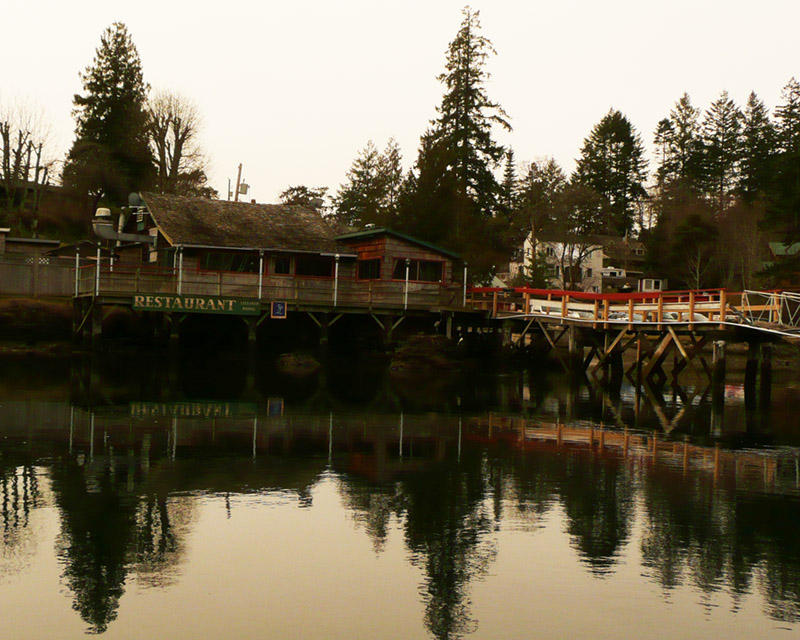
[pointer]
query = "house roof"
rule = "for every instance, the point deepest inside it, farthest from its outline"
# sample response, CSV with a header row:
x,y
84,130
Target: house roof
x,y
368,233
202,222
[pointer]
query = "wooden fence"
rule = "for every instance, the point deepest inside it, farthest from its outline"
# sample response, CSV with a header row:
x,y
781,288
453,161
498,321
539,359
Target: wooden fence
x,y
33,276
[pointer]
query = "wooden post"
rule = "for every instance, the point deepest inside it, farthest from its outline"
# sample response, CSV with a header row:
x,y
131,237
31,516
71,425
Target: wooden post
x,y
180,271
630,314
336,281
660,311
405,289
691,310
723,307
765,382
465,286
564,303
605,313
494,304
260,272
97,274
596,313
77,271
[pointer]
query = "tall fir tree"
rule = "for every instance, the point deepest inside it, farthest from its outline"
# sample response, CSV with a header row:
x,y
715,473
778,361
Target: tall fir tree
x,y
467,117
758,149
508,186
663,141
391,169
452,195
722,148
110,156
678,137
612,163
783,208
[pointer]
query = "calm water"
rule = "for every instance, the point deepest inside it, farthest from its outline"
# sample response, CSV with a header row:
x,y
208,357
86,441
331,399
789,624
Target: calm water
x,y
142,500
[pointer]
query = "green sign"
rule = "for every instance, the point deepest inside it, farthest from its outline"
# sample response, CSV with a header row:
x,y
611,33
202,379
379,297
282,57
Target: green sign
x,y
196,304
192,409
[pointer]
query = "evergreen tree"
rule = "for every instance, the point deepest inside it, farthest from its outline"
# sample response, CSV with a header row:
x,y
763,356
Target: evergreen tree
x,y
371,192
391,169
509,184
787,116
537,192
679,147
467,118
304,196
612,163
721,133
110,156
452,196
783,210
758,148
664,141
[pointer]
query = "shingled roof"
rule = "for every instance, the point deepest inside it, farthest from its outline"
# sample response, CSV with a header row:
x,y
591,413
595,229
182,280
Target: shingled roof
x,y
221,223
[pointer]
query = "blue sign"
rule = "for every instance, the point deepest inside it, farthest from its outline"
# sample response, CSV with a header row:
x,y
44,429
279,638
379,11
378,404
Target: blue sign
x,y
278,310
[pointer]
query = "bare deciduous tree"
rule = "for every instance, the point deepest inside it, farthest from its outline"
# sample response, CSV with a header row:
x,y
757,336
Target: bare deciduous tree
x,y
25,166
174,126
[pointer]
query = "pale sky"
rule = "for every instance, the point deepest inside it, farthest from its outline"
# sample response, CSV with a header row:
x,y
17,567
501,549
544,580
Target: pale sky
x,y
294,89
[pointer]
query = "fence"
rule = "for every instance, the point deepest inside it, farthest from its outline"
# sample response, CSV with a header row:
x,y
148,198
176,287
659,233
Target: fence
x,y
36,276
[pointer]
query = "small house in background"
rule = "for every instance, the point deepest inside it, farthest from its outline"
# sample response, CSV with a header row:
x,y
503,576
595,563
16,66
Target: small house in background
x,y
596,264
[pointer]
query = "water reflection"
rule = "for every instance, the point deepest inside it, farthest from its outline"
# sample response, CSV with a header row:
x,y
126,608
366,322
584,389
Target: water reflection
x,y
128,462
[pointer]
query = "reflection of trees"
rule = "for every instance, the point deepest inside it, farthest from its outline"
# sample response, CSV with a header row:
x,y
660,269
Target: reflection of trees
x,y
372,506
597,495
19,493
721,538
446,522
97,526
446,518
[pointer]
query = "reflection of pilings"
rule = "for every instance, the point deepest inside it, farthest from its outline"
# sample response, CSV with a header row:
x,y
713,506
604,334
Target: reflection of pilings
x,y
717,387
758,377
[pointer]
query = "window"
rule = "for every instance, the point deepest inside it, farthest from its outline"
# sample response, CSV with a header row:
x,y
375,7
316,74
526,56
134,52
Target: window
x,y
282,265
588,272
238,261
369,269
320,266
419,270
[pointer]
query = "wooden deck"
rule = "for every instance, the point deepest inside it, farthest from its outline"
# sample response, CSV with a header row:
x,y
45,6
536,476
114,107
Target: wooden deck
x,y
776,312
120,283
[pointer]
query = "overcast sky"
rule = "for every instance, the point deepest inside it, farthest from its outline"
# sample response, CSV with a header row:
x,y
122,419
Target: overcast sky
x,y
294,89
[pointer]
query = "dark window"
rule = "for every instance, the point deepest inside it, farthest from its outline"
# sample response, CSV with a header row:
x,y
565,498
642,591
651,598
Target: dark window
x,y
283,265
419,270
369,269
430,271
239,261
313,266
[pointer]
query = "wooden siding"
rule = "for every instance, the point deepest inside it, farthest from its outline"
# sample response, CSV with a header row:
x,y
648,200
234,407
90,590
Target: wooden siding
x,y
389,249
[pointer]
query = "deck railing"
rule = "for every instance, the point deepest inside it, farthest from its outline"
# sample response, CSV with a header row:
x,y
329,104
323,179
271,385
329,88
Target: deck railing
x,y
656,307
344,292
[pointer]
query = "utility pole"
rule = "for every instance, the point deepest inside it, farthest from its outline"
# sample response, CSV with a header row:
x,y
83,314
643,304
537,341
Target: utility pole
x,y
238,181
